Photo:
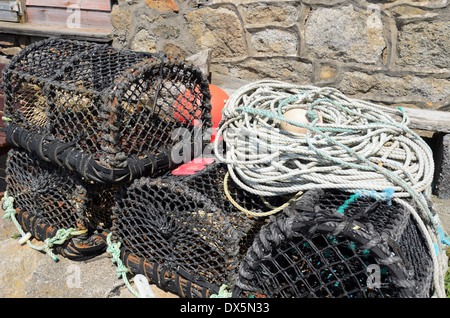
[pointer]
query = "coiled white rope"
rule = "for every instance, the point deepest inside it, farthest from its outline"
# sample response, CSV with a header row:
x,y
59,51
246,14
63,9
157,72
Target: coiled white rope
x,y
349,144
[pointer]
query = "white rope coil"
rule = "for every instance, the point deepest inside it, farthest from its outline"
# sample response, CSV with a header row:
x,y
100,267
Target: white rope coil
x,y
349,144
358,146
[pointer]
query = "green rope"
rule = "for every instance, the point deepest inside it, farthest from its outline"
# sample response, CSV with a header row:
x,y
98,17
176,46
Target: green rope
x,y
223,293
122,270
61,236
344,206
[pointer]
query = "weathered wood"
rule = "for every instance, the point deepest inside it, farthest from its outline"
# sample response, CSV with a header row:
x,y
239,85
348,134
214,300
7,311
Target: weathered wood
x,y
86,34
101,5
61,16
202,60
9,16
430,120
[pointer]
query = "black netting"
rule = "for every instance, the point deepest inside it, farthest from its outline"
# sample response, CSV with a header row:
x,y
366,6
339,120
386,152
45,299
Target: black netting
x,y
109,114
185,227
372,249
48,198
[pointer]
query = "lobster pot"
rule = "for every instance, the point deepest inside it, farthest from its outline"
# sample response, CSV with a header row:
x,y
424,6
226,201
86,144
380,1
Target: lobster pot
x,y
110,115
48,198
182,232
372,249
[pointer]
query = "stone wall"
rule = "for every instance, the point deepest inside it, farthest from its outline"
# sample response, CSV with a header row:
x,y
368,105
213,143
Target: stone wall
x,y
387,51
11,44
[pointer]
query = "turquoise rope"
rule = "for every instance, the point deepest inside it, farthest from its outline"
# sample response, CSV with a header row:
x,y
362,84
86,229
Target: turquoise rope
x,y
61,236
385,195
223,293
344,206
444,237
121,269
266,113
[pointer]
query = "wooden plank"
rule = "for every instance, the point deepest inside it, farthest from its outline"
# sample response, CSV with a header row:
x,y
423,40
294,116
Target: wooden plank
x,y
9,16
202,60
430,120
59,16
86,34
101,5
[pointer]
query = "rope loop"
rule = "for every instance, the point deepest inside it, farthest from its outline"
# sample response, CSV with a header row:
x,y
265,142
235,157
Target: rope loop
x,y
121,269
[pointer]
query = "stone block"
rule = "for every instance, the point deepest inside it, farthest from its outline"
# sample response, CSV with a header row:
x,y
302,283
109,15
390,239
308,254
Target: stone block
x,y
219,30
424,45
121,18
274,42
166,31
345,35
266,13
278,68
174,50
11,50
423,91
428,92
162,5
143,42
325,73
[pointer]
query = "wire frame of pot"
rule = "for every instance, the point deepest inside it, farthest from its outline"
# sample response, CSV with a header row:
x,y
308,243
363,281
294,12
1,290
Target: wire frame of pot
x,y
372,250
48,198
111,115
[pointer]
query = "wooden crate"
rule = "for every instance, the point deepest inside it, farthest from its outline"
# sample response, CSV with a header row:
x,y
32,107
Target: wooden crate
x,y
93,14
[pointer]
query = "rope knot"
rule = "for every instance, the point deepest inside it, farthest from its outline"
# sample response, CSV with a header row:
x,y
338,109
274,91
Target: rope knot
x,y
8,206
223,293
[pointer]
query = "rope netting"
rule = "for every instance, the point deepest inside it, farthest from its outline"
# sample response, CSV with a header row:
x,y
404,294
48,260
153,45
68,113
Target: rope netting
x,y
45,201
111,115
371,248
183,227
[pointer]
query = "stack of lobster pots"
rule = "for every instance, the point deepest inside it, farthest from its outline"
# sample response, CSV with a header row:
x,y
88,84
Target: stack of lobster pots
x,y
105,144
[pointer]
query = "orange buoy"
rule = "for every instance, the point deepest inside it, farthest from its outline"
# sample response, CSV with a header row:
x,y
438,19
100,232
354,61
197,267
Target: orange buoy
x,y
218,100
188,106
